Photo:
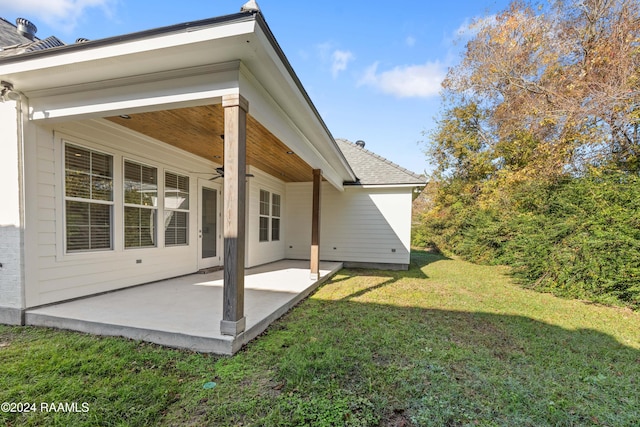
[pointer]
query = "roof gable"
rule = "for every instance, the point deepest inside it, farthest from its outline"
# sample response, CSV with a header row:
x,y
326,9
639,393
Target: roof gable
x,y
372,169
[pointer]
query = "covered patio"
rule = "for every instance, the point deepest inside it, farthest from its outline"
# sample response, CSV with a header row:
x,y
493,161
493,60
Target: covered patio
x,y
179,312
213,105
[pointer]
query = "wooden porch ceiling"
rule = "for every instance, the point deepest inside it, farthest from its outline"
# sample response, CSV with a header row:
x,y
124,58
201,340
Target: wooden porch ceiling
x,y
200,130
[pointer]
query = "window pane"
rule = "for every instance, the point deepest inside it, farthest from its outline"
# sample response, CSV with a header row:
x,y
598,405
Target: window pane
x,y
132,183
77,159
176,228
264,229
181,219
275,208
101,165
77,184
100,238
149,186
264,202
139,227
176,191
88,226
100,215
275,229
146,237
101,188
183,183
140,184
170,181
88,175
77,213
77,221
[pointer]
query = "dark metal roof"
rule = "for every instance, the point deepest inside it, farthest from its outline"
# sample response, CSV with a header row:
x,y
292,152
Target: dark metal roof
x,y
372,169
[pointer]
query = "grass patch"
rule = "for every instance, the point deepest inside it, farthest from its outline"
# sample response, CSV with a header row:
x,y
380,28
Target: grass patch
x,y
445,343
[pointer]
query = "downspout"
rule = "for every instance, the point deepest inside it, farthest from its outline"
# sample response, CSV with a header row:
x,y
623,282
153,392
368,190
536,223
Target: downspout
x,y
21,194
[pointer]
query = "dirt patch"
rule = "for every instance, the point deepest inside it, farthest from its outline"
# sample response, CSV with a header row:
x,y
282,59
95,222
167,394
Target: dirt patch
x,y
397,419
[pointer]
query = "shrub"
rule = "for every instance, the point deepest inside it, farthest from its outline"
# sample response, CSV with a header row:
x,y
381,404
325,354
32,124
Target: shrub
x,y
578,238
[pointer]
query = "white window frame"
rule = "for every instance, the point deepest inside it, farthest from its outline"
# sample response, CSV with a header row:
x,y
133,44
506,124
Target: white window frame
x,y
89,200
276,216
172,210
152,208
269,213
264,216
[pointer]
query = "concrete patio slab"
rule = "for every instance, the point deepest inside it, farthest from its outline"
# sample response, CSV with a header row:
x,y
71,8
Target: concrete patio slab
x,y
185,312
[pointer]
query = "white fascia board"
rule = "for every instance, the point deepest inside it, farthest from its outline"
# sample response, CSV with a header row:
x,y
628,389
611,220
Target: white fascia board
x,y
158,91
291,97
146,55
372,186
270,114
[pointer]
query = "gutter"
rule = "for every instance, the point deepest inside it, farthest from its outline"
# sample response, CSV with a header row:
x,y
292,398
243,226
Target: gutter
x,y
398,185
178,28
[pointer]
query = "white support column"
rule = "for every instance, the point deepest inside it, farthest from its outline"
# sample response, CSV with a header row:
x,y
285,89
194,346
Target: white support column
x,y
235,165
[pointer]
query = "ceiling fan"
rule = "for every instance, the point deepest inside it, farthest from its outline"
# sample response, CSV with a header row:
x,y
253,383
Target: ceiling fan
x,y
220,174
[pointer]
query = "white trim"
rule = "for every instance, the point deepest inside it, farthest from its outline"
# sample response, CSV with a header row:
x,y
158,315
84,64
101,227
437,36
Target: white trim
x,y
140,97
114,53
273,116
159,242
60,143
356,186
216,260
165,209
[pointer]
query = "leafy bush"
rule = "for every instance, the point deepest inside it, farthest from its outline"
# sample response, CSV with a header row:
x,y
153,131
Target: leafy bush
x,y
578,238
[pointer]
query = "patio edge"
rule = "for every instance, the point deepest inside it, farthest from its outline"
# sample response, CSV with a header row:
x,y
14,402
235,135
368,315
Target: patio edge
x,y
262,326
168,339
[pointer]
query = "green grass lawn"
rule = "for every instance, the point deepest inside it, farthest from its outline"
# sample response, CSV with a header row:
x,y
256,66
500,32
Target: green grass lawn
x,y
447,343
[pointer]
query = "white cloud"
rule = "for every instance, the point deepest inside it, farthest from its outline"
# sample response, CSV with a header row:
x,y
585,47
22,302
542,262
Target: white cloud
x,y
340,60
60,14
407,81
472,26
337,59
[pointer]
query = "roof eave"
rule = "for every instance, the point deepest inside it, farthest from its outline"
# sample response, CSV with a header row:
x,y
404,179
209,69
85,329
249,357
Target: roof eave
x,y
392,185
91,44
276,47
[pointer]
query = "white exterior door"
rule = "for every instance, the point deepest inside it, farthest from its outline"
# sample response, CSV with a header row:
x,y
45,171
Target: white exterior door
x,y
209,224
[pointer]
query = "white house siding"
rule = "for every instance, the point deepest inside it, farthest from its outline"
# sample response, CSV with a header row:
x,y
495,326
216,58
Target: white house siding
x,y
11,249
58,275
358,225
258,252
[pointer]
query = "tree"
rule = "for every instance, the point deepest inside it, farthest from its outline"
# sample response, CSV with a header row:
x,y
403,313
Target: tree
x,y
538,142
563,81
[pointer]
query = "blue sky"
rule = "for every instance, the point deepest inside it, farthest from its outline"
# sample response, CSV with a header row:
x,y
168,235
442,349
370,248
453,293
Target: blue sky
x,y
372,68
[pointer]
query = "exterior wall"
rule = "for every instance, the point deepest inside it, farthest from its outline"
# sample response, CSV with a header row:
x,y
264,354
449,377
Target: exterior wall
x,y
11,223
263,252
358,225
58,275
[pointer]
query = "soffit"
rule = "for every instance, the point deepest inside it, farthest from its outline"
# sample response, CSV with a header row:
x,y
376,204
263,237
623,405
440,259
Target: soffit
x,y
200,130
